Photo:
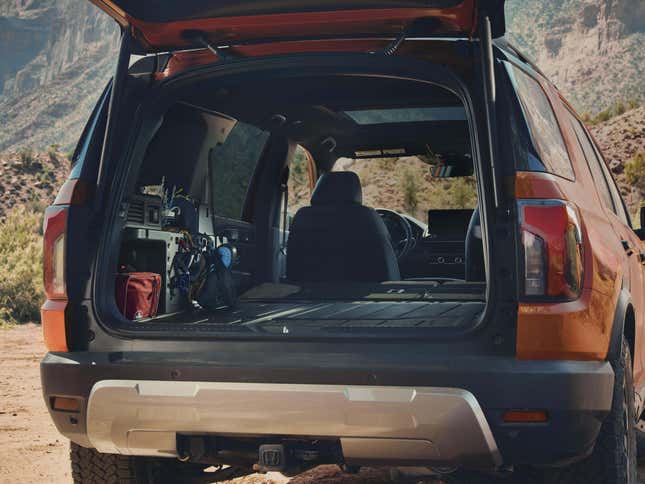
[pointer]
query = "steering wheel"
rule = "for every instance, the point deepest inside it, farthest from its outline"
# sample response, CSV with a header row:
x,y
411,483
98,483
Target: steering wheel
x,y
400,232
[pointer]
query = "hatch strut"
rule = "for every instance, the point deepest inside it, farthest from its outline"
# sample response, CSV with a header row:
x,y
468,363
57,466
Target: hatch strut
x,y
490,97
393,46
418,27
199,37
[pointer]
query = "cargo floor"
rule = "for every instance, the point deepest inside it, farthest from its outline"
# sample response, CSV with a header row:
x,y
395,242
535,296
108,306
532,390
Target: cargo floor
x,y
279,309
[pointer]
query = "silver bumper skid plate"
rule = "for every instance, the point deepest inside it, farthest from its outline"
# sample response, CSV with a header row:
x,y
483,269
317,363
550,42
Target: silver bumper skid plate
x,y
375,424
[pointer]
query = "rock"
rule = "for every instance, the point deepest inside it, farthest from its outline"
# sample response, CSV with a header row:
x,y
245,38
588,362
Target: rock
x,y
616,167
553,44
590,15
589,48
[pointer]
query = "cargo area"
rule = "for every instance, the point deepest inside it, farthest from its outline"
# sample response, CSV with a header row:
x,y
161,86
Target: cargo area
x,y
307,205
305,309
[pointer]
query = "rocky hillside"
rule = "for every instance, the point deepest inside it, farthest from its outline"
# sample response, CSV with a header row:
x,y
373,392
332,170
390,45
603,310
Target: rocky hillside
x,y
592,49
30,179
622,140
56,56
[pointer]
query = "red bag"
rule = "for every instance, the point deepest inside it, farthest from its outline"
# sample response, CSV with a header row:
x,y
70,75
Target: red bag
x,y
137,294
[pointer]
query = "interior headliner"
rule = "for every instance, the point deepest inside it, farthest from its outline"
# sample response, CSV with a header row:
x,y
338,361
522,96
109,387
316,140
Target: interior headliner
x,y
310,110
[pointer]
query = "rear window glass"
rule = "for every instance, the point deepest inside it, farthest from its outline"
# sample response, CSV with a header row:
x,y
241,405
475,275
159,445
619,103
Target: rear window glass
x,y
407,115
542,125
232,165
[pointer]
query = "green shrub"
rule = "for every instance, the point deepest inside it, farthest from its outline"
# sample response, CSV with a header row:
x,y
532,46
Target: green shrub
x,y
602,116
26,157
462,193
299,168
616,109
633,103
52,152
410,187
387,164
45,176
635,169
299,182
36,204
21,292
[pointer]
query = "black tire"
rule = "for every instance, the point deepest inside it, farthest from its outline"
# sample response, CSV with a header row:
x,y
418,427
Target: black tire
x,y
92,467
613,460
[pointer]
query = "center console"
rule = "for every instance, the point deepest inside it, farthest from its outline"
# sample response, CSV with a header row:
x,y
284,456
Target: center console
x,y
442,252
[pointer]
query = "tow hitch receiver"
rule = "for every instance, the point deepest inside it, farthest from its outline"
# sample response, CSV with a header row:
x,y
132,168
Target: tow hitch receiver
x,y
293,456
290,456
272,458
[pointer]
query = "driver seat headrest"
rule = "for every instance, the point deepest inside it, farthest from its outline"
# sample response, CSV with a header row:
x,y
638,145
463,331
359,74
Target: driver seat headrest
x,y
337,187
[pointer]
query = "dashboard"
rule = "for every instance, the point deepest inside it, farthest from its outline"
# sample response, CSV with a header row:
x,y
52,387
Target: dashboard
x,y
434,252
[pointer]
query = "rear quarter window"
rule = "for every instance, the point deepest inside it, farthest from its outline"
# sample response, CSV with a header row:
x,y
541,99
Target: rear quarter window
x,y
232,165
91,141
602,184
544,131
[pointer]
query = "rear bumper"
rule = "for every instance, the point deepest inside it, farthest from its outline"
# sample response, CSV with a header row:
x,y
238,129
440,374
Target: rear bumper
x,y
447,413
397,424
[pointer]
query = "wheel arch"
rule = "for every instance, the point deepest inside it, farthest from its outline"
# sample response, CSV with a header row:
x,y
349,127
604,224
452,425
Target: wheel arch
x,y
624,325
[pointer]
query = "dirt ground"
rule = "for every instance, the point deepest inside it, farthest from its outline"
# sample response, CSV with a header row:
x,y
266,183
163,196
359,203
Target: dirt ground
x,y
31,450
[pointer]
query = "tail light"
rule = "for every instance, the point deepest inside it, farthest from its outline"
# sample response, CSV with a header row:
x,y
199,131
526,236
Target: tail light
x,y
53,311
54,228
552,248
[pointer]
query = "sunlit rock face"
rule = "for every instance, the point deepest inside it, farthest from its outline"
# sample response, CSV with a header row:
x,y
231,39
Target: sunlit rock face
x,y
591,49
55,58
57,55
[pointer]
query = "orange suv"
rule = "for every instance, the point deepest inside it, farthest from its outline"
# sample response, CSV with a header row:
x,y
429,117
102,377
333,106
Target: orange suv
x,y
220,291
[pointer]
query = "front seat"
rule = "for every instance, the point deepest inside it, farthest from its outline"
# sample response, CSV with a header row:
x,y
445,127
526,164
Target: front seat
x,y
474,259
337,239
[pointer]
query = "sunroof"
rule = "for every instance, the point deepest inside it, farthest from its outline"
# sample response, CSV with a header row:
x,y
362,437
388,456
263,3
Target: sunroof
x,y
407,115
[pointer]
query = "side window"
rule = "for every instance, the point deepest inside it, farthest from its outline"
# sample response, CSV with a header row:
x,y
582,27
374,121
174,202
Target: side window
x,y
232,165
299,183
594,164
618,200
91,141
542,124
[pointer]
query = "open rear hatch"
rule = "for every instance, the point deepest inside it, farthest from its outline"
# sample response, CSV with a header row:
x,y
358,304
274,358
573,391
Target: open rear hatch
x,y
163,26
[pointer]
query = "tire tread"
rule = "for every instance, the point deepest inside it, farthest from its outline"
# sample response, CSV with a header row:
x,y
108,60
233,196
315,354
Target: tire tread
x,y
92,467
